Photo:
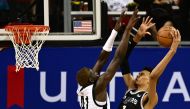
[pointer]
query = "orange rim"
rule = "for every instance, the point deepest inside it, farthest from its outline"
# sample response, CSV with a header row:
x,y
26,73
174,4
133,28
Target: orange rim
x,y
31,28
23,33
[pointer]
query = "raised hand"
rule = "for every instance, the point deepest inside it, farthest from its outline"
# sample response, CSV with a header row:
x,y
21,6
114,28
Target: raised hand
x,y
134,18
146,24
142,31
118,23
176,39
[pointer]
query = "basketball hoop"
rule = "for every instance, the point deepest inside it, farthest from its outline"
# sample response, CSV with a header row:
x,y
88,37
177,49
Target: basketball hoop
x,y
27,43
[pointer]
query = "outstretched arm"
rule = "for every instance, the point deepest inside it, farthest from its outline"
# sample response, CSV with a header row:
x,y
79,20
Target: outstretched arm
x,y
107,48
159,69
142,31
103,81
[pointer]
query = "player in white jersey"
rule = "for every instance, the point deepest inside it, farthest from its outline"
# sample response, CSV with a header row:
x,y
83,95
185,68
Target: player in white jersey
x,y
87,100
93,93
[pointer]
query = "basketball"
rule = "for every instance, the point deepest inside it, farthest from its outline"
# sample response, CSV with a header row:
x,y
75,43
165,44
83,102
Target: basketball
x,y
164,37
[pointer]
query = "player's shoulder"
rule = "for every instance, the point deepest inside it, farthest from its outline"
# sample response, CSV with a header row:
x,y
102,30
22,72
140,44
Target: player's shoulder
x,y
151,102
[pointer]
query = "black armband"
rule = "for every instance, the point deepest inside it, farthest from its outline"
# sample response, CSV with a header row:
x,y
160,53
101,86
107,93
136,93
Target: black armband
x,y
125,68
131,46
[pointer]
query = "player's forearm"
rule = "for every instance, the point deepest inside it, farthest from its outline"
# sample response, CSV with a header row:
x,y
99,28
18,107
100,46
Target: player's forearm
x,y
119,56
159,69
102,59
123,46
107,48
125,68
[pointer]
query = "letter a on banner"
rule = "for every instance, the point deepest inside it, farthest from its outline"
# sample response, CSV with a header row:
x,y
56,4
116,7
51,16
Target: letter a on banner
x,y
15,87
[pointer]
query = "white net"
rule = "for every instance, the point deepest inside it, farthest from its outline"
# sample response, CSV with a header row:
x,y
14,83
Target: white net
x,y
27,45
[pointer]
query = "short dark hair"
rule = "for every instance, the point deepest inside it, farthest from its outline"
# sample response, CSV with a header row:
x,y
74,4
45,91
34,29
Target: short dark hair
x,y
148,69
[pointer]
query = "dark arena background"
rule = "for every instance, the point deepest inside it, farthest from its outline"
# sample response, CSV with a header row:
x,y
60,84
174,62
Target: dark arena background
x,y
66,49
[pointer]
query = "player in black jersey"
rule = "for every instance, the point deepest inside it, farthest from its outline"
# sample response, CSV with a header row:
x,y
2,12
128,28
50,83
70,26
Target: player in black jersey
x,y
142,92
93,92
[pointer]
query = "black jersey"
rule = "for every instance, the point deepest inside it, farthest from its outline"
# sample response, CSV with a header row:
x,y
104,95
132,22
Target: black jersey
x,y
132,100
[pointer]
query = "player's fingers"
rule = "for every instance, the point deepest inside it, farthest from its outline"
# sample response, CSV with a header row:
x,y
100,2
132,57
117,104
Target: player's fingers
x,y
135,11
151,25
146,20
149,21
175,35
134,14
122,15
148,33
173,28
172,34
143,19
179,35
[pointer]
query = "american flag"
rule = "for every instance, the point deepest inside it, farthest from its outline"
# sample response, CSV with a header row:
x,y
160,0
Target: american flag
x,y
82,26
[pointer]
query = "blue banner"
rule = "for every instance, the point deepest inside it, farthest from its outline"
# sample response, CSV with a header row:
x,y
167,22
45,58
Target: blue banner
x,y
54,85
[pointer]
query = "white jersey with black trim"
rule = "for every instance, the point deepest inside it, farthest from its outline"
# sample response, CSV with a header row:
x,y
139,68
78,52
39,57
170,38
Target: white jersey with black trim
x,y
87,99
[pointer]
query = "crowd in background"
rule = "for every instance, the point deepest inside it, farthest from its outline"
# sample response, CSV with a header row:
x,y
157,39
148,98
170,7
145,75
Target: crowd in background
x,y
175,12
163,11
